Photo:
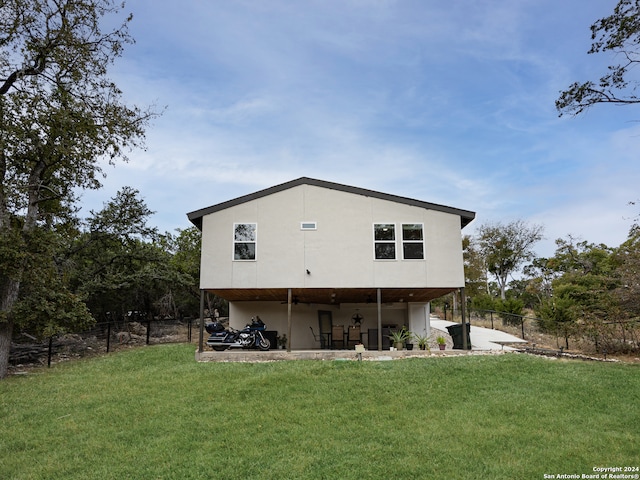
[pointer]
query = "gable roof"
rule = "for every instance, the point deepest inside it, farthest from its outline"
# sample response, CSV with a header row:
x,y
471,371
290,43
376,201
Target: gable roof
x,y
195,217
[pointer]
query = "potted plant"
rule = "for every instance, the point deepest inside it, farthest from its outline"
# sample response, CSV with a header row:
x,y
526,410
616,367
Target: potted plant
x,y
442,342
423,341
399,337
282,341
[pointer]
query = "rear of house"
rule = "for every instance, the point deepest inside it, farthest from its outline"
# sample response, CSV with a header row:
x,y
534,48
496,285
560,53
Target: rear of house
x,y
309,255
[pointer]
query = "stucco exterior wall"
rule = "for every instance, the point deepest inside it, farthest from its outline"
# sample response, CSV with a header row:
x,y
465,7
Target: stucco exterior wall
x,y
339,254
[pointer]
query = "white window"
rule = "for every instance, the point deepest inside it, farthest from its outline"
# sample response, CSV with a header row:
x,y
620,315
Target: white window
x,y
308,226
412,241
384,241
244,241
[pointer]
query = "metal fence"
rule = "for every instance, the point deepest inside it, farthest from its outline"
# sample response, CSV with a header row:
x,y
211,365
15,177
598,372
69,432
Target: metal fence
x,y
505,318
621,336
101,338
525,324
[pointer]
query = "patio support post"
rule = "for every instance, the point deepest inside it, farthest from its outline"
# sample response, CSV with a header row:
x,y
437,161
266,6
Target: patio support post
x,y
201,337
289,296
379,320
463,304
427,314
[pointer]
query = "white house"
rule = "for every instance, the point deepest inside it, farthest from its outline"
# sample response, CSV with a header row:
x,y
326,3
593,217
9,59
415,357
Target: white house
x,y
309,255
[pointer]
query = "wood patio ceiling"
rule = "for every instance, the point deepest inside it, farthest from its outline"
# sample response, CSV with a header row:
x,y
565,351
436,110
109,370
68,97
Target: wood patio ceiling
x,y
332,296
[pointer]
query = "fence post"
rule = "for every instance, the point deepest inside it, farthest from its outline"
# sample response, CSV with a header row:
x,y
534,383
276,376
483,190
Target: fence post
x,y
108,335
491,313
148,327
522,323
50,351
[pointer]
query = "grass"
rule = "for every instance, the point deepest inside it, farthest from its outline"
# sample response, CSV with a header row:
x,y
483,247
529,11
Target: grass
x,y
154,413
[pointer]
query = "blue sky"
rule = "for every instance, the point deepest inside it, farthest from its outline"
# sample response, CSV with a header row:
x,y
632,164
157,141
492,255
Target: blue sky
x,y
448,102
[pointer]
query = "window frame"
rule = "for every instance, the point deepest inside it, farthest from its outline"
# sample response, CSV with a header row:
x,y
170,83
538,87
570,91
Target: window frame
x,y
407,242
254,242
377,242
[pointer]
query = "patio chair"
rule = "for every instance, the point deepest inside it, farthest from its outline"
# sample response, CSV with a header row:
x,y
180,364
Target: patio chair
x,y
337,336
354,336
325,322
322,338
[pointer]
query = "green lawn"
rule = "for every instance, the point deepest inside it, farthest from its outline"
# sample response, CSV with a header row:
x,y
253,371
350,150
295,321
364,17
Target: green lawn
x,y
154,413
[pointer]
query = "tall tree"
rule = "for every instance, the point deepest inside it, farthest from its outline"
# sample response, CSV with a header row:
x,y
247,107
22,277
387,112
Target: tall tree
x,y
60,115
506,247
618,33
474,268
583,298
117,265
185,247
627,258
539,277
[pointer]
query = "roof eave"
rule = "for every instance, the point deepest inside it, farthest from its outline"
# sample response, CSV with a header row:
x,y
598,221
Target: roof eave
x,y
195,217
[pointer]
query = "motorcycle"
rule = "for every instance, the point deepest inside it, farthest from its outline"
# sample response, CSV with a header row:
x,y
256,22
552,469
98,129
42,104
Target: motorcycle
x,y
250,336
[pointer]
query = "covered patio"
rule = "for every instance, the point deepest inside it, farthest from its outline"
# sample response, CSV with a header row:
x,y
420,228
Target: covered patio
x,y
484,341
372,298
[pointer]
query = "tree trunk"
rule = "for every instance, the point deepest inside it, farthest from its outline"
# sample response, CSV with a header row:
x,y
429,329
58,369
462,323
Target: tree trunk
x,y
6,331
9,295
10,287
502,282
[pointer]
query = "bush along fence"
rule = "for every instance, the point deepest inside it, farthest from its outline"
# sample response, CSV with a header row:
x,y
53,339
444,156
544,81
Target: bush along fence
x,y
103,337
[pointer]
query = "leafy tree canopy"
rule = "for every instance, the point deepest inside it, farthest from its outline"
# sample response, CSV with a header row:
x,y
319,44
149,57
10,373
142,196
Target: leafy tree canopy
x,y
619,34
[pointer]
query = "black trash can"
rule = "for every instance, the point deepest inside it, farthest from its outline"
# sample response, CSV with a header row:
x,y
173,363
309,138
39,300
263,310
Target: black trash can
x,y
456,334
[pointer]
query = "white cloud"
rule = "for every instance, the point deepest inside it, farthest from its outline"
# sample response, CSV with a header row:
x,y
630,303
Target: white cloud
x,y
450,103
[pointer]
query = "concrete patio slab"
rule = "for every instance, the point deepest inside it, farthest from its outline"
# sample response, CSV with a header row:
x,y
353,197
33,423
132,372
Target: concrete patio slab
x,y
239,355
483,338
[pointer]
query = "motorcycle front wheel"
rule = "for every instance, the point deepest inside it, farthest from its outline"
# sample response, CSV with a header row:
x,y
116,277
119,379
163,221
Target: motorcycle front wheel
x,y
264,344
